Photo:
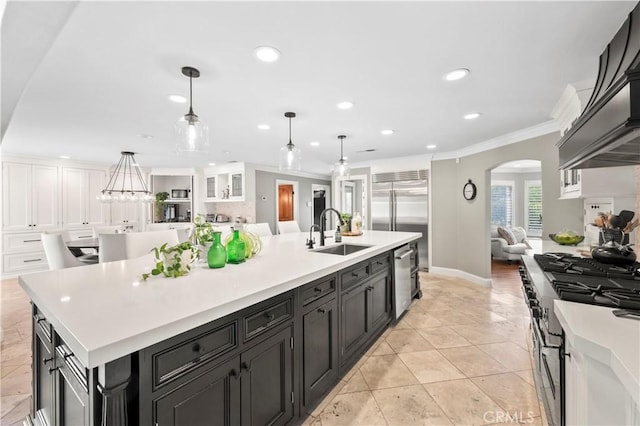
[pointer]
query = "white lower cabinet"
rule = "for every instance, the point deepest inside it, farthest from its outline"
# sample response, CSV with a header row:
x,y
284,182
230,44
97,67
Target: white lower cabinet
x,y
593,393
24,262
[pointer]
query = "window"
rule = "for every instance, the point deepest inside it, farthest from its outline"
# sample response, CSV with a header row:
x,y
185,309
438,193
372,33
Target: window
x,y
502,203
533,207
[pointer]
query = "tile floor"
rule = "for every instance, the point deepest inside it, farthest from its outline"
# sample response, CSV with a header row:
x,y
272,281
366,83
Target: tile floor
x,y
461,355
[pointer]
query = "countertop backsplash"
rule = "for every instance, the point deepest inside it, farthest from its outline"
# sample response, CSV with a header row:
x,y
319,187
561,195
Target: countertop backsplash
x,y
245,210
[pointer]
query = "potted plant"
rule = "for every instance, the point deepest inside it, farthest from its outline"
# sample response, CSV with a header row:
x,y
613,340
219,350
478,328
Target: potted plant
x,y
202,236
161,197
346,222
173,261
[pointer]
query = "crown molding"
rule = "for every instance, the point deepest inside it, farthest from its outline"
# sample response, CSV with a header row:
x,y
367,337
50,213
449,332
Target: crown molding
x,y
276,170
541,129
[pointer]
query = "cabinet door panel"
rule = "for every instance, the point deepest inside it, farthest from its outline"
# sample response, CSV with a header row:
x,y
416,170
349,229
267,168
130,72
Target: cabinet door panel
x,y
212,398
354,319
43,398
44,192
266,381
380,293
72,399
320,347
95,183
16,193
73,212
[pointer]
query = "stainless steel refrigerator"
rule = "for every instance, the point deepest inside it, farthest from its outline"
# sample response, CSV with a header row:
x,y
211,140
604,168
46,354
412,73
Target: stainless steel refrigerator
x,y
400,202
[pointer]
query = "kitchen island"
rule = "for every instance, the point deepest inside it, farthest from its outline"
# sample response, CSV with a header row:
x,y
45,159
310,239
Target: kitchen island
x,y
134,352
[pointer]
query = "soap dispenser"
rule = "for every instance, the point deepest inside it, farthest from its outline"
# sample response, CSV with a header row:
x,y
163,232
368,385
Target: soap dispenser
x,y
338,235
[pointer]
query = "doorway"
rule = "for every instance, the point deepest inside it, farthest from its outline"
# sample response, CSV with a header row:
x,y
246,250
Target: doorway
x,y
321,200
287,205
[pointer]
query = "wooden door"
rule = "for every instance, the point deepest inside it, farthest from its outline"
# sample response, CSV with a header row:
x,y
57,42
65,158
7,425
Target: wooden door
x,y
285,202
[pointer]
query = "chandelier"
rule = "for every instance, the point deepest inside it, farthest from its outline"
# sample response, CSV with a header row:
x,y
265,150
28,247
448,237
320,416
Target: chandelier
x,y
126,183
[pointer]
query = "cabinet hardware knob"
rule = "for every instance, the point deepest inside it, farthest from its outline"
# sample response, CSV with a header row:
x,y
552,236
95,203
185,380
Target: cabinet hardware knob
x,y
40,319
322,311
51,370
317,289
369,287
46,360
244,366
379,262
355,274
269,316
233,373
196,347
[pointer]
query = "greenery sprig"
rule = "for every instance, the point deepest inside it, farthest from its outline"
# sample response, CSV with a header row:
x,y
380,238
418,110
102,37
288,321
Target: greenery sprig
x,y
169,260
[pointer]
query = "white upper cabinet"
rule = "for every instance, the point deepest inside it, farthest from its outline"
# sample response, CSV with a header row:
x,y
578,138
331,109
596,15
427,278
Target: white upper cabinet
x,y
30,197
230,182
80,207
597,182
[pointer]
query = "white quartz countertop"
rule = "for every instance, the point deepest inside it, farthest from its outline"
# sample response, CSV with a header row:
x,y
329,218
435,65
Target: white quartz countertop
x,y
596,332
106,311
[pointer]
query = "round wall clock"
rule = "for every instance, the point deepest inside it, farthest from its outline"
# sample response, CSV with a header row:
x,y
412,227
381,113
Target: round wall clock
x,y
469,190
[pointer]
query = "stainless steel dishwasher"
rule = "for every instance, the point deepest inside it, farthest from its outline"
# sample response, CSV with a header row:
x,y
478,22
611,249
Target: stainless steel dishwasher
x,y
402,284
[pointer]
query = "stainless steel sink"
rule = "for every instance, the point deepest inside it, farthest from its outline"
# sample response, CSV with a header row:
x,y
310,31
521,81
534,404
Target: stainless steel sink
x,y
342,249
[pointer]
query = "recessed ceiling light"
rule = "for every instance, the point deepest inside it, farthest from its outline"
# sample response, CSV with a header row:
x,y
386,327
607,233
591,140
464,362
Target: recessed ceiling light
x,y
456,74
387,132
314,143
178,99
345,105
64,299
264,126
472,116
431,146
267,53
212,164
65,157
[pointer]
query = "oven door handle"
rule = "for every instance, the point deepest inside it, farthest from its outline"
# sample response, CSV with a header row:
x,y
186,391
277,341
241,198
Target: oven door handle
x,y
540,337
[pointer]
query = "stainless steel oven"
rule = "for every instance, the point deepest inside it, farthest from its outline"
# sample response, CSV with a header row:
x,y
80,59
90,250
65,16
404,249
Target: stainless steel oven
x,y
179,193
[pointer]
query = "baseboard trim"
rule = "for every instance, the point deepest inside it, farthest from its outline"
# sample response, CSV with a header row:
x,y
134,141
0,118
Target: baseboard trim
x,y
457,273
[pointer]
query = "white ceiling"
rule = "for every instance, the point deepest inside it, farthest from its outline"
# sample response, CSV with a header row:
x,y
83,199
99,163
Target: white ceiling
x,y
105,79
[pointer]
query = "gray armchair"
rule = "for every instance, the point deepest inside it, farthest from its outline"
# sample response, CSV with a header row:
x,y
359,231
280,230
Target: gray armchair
x,y
502,250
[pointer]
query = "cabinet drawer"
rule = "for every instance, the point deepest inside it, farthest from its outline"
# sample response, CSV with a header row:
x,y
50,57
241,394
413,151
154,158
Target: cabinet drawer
x,y
80,234
354,275
40,322
317,289
381,263
178,360
267,318
67,362
22,242
25,262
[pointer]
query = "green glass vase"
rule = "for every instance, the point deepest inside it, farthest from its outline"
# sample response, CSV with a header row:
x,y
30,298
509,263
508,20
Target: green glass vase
x,y
217,255
236,249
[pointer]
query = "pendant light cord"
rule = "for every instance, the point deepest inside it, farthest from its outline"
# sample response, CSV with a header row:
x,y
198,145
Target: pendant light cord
x,y
290,143
191,92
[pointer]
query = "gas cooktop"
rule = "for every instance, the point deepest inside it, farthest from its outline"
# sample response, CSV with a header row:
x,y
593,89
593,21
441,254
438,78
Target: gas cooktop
x,y
566,263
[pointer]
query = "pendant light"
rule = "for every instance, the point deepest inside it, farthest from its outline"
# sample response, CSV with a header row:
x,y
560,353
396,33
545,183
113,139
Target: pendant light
x,y
290,155
341,168
126,183
191,133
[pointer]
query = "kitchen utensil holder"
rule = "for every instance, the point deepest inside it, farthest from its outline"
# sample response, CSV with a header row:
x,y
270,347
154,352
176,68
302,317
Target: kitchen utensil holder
x,y
609,234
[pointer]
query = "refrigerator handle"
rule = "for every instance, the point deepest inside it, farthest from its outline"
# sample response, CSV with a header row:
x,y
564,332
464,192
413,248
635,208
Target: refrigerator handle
x,y
394,208
391,210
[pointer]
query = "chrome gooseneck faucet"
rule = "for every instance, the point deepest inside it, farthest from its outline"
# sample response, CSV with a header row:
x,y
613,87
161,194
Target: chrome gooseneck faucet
x,y
322,221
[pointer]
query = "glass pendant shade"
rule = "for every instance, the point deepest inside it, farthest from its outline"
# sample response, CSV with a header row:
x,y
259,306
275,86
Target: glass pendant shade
x,y
290,155
341,167
126,184
192,135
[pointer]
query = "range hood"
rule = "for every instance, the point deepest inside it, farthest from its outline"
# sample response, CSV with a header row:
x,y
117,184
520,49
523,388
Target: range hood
x,y
608,131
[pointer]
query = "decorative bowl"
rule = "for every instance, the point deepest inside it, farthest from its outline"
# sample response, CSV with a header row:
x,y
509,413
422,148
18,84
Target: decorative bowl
x,y
567,239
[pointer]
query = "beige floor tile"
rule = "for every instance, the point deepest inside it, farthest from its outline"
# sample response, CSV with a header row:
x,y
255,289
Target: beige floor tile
x,y
14,409
355,384
463,402
472,361
386,371
443,337
527,376
452,317
479,334
382,349
311,421
419,319
17,382
407,341
358,408
6,369
16,354
355,368
409,405
430,366
512,393
508,354
11,336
